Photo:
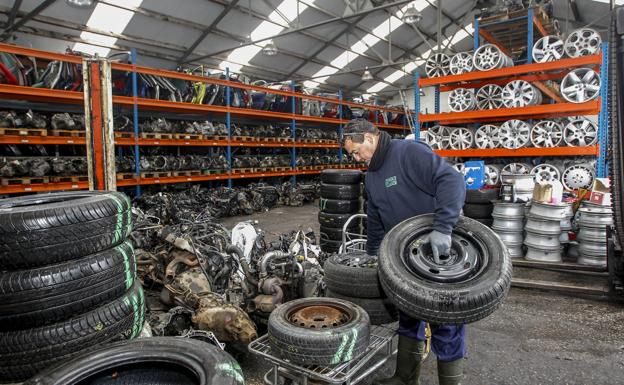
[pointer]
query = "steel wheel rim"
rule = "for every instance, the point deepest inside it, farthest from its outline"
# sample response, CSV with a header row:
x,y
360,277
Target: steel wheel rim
x,y
547,133
520,93
548,48
516,168
583,42
486,136
438,137
461,63
577,177
489,97
319,317
545,173
437,65
580,85
461,138
462,99
581,132
514,134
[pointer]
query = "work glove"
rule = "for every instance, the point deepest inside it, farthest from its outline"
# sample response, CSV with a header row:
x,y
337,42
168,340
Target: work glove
x,y
440,244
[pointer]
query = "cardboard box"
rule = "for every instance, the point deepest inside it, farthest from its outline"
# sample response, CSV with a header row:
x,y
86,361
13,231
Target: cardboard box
x,y
601,194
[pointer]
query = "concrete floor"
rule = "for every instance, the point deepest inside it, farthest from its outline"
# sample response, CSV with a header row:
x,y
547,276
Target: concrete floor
x,y
535,338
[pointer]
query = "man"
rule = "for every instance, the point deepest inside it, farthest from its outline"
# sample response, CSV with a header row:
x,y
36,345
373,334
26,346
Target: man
x,y
404,179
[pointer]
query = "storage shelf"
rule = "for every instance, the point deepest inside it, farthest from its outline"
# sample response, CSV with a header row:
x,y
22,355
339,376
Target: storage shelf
x,y
531,112
521,152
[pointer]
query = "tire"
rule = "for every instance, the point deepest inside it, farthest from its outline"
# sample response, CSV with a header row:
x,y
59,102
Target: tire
x,y
35,297
331,233
460,301
478,210
336,221
484,195
338,176
340,191
330,246
39,230
327,346
380,310
343,277
336,206
486,221
154,361
23,353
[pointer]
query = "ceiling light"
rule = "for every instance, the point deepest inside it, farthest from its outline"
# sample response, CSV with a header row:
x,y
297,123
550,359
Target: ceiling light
x,y
411,16
270,49
80,3
367,75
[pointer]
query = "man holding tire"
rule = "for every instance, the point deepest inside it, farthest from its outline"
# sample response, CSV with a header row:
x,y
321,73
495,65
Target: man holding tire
x,y
405,179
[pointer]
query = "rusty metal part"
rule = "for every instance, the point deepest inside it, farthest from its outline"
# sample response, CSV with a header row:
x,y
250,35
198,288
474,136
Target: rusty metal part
x,y
318,317
179,257
263,303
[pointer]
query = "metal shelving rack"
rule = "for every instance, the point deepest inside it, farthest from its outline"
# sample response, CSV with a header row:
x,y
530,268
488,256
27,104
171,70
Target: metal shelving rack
x,y
134,103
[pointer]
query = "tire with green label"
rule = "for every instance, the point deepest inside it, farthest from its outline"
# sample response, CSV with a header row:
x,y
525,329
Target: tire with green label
x,y
44,229
321,331
24,353
44,295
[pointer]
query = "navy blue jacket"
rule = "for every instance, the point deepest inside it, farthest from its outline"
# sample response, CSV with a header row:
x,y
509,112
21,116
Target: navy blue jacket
x,y
412,180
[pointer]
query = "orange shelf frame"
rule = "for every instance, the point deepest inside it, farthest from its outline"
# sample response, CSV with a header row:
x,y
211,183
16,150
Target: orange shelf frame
x,y
531,112
521,152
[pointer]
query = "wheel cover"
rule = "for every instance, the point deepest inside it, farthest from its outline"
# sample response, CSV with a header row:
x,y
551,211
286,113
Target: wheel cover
x,y
583,42
520,93
580,85
547,133
577,177
548,48
581,132
490,97
514,134
462,99
545,172
486,136
319,316
461,138
437,65
466,259
438,137
516,168
461,63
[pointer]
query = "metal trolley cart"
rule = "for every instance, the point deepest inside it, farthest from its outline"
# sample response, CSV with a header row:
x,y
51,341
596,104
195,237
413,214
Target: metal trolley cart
x,y
352,241
349,373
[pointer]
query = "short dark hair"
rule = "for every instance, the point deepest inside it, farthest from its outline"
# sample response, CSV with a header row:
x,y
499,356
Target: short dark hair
x,y
356,128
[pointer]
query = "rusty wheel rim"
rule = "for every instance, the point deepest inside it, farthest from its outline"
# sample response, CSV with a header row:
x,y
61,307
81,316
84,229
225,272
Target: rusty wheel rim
x,y
319,316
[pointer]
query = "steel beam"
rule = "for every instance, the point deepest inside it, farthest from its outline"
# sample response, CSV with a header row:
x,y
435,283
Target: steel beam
x,y
14,26
16,7
575,11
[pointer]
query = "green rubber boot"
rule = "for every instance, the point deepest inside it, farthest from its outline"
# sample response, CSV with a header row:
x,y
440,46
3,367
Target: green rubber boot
x,y
409,358
450,373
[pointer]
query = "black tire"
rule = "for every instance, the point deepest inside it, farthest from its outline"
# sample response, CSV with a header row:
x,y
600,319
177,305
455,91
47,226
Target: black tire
x,y
339,176
23,353
35,297
331,233
380,310
484,195
336,221
319,346
329,246
340,191
478,210
39,230
154,361
343,275
464,300
486,221
337,206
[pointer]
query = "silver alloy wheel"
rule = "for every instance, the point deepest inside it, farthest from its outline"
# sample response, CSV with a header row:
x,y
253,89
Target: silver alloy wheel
x,y
492,175
578,176
461,138
438,137
545,173
486,136
488,57
580,85
548,48
507,224
520,93
437,65
489,97
581,132
462,99
460,167
508,210
461,63
547,133
550,211
514,134
543,226
516,168
583,42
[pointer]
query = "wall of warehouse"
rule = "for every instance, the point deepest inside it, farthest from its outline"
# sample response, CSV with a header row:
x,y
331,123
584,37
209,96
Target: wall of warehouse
x,y
427,102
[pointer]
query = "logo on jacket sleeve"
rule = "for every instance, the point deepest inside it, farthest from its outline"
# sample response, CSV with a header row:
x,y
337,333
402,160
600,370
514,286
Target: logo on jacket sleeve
x,y
392,181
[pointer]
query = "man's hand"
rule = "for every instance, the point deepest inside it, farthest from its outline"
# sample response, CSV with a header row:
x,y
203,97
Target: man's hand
x,y
440,244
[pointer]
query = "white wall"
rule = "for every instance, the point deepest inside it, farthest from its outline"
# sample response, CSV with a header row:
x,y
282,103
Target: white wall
x,y
427,102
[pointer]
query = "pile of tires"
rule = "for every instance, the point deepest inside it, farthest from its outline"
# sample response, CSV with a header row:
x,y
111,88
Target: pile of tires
x,y
478,204
67,278
340,199
353,277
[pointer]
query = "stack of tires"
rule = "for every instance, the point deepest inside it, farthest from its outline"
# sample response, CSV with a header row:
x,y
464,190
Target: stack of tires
x,y
340,199
353,277
478,204
67,278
